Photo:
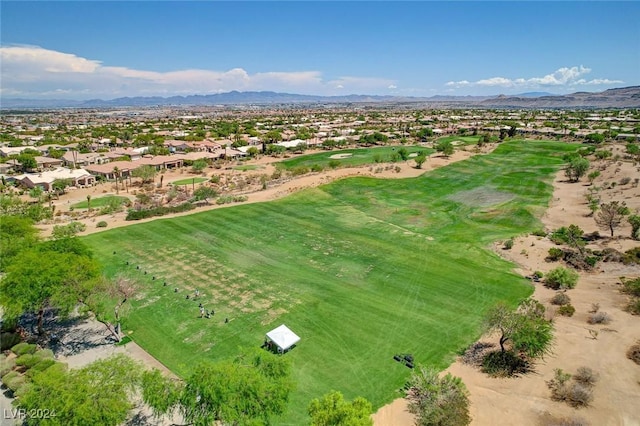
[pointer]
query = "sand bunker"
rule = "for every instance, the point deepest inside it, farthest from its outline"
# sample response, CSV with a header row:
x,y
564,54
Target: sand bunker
x,y
340,156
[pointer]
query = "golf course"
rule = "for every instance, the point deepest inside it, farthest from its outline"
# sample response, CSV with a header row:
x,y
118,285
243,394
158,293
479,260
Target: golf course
x,y
361,269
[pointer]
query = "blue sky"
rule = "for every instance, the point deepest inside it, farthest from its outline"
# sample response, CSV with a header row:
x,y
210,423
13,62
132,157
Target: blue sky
x,y
83,50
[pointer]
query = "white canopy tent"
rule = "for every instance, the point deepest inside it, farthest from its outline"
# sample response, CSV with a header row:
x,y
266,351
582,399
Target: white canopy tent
x,y
283,338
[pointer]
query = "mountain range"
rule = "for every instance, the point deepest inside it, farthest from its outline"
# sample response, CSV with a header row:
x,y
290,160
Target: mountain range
x,y
626,97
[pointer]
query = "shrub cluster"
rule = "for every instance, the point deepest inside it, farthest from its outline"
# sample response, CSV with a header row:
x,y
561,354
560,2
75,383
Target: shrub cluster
x,y
561,298
101,224
599,318
561,278
577,393
226,199
158,211
567,310
634,353
555,254
504,364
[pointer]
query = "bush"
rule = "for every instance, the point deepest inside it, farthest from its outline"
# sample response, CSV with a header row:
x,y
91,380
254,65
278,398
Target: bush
x,y
575,393
599,318
539,233
567,310
8,340
504,364
561,278
101,224
14,381
631,287
317,168
508,245
634,306
537,275
555,254
6,365
23,348
40,366
560,298
634,353
27,360
586,376
158,211
579,395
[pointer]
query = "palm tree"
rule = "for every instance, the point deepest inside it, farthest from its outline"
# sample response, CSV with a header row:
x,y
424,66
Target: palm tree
x,y
116,173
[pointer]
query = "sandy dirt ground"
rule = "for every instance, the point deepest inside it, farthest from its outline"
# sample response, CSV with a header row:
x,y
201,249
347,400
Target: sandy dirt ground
x,y
526,400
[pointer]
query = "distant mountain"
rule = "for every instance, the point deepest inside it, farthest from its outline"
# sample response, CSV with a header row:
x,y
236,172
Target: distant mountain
x,y
534,94
628,97
625,97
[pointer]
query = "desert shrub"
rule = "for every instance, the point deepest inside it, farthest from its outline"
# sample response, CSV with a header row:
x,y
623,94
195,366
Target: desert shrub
x,y
539,233
226,199
576,393
599,318
634,353
625,180
158,211
561,298
6,365
566,310
23,348
334,164
631,256
27,360
549,420
631,287
508,245
503,364
300,170
537,275
101,224
555,254
317,168
8,340
634,306
561,278
14,381
586,376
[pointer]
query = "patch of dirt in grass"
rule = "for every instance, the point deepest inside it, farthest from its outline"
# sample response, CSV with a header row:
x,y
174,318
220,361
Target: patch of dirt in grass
x,y
272,314
340,156
481,197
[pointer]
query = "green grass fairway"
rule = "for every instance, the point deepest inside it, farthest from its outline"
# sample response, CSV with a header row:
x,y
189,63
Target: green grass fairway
x,y
99,202
361,269
357,157
246,167
189,181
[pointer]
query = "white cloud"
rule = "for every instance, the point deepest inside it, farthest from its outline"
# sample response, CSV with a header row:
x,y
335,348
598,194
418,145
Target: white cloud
x,y
31,71
561,77
392,86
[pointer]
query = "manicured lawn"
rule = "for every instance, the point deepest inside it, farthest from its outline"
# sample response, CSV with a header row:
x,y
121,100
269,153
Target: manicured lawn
x,y
246,167
189,181
350,157
99,202
361,269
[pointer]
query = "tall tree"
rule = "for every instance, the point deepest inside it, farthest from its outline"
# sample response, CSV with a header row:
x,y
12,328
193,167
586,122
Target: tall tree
x,y
52,274
610,215
576,168
146,173
99,394
247,390
16,234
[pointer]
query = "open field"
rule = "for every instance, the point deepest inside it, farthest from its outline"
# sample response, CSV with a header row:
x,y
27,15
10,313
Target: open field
x,y
349,157
99,202
361,269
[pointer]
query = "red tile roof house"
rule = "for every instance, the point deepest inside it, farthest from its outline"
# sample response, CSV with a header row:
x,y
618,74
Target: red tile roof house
x,y
79,178
126,167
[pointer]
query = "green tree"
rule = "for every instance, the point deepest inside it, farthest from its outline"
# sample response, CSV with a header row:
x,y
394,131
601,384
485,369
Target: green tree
x,y
99,394
403,153
333,410
634,221
52,274
526,328
596,138
28,162
252,151
247,390
199,165
420,159
592,176
610,215
204,193
60,185
571,236
16,233
438,401
445,147
576,168
146,173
